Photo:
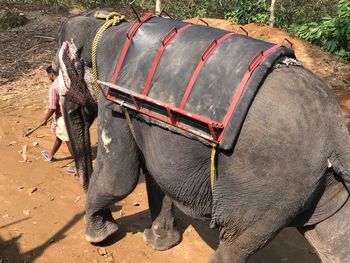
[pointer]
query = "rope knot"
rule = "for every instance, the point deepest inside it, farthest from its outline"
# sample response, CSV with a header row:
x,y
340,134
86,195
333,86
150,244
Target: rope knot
x,y
111,19
115,16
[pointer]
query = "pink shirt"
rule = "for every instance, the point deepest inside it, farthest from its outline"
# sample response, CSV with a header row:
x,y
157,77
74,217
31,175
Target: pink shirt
x,y
54,100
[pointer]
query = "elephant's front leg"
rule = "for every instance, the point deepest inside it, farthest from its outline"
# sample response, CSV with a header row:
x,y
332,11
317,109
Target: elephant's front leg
x,y
115,176
163,233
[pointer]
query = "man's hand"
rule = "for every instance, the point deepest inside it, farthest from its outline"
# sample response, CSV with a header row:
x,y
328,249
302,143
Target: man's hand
x,y
49,113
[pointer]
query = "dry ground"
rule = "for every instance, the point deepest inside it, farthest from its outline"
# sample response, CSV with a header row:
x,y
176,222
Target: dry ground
x,y
47,225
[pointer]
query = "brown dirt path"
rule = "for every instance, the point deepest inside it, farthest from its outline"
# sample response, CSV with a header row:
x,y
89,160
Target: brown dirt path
x,y
48,225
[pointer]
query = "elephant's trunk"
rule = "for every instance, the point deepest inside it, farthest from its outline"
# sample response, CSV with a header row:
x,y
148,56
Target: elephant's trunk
x,y
78,130
79,108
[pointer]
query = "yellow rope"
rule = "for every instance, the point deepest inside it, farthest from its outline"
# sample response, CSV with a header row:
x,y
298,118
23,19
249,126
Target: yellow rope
x,y
112,19
212,166
128,119
213,151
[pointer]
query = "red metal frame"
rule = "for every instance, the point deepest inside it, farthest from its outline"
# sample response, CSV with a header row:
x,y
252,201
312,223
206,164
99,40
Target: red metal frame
x,y
243,29
173,33
129,35
205,55
139,99
176,116
254,63
287,40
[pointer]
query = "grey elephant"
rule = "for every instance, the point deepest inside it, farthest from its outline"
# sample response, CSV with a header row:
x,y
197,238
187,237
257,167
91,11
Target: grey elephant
x,y
289,165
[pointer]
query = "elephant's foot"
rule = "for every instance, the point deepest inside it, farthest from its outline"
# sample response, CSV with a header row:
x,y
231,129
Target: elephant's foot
x,y
228,255
100,227
161,239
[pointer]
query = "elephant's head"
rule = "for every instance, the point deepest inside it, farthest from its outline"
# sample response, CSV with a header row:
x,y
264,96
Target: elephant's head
x,y
79,107
81,31
73,57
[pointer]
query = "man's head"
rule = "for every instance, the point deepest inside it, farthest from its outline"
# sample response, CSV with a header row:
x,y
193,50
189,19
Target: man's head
x,y
52,73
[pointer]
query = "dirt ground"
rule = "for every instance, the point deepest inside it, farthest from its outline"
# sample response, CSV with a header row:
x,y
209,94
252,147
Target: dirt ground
x,y
42,206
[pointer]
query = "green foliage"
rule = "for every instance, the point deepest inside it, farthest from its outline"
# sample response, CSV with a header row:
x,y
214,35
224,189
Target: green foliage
x,y
12,19
332,33
329,27
289,12
245,11
183,9
84,4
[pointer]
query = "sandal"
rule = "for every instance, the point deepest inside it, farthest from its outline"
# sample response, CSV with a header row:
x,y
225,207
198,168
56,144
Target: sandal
x,y
72,170
45,154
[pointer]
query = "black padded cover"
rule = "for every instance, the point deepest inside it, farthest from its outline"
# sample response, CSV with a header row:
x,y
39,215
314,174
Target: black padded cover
x,y
218,80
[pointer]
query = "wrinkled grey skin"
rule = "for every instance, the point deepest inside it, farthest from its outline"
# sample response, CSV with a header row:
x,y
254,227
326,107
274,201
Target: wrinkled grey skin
x,y
79,118
275,176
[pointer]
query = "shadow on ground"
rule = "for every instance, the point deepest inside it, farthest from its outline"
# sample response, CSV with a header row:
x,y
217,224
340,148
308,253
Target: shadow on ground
x,y
286,244
10,252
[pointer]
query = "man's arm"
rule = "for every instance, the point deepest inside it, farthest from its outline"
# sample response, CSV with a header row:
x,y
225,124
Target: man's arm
x,y
49,113
52,103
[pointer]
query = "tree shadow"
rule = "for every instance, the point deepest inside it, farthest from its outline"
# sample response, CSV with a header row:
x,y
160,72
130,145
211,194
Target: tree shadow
x,y
10,252
59,235
284,247
15,222
289,244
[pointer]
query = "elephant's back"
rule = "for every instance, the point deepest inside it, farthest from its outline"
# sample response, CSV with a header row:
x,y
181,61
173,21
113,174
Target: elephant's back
x,y
209,74
288,126
280,158
292,100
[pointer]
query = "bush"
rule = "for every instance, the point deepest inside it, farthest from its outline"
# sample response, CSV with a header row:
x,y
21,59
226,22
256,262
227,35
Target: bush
x,y
245,11
12,19
289,12
329,27
183,9
332,33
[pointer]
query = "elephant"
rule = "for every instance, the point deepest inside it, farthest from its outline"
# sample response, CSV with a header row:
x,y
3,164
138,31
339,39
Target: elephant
x,y
290,165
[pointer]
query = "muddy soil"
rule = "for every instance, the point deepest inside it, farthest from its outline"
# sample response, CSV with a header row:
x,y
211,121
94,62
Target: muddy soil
x,y
42,206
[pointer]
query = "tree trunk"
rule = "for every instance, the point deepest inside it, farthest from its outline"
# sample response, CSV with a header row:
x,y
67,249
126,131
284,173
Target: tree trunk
x,y
272,13
158,6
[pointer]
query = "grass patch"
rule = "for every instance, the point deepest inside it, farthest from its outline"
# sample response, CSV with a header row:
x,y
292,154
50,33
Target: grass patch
x,y
12,19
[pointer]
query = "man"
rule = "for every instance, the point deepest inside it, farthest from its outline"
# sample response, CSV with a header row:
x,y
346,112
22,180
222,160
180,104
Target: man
x,y
58,126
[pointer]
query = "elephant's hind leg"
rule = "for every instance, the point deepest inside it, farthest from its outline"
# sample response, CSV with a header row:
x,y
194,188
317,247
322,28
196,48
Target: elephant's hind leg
x,y
163,233
331,237
236,248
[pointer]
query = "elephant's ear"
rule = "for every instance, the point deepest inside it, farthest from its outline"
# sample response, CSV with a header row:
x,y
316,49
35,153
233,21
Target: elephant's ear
x,y
75,79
